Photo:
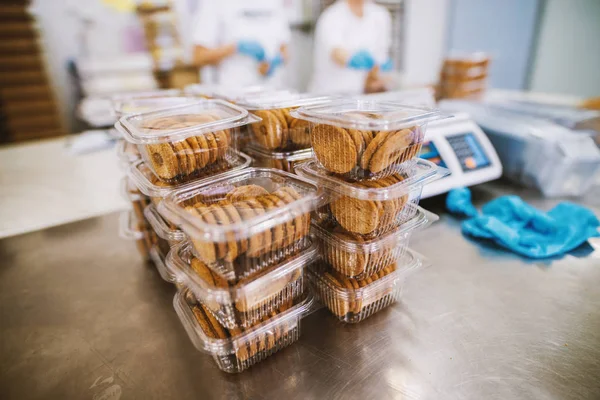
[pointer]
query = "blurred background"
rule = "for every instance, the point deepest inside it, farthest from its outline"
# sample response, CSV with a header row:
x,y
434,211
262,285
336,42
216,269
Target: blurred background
x,y
57,53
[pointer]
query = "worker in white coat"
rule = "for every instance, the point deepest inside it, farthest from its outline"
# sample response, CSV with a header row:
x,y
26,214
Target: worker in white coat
x,y
245,41
352,48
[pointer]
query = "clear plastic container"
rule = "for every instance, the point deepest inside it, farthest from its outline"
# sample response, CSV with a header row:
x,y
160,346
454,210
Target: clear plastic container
x,y
128,106
127,153
278,130
131,229
352,300
144,179
138,200
158,257
164,229
229,93
235,350
186,142
354,257
359,139
247,302
285,160
371,208
246,221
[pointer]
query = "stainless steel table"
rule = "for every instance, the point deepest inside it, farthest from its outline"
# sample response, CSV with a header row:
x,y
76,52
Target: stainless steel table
x,y
83,318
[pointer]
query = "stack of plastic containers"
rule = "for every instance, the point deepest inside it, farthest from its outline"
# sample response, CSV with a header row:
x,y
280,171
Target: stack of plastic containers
x,y
248,243
365,161
169,142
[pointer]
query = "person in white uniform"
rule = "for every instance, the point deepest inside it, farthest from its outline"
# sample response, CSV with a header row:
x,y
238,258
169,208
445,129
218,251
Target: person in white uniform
x,y
352,44
245,40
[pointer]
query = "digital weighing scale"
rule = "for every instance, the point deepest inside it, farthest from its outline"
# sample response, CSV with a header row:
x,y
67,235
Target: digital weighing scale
x,y
456,143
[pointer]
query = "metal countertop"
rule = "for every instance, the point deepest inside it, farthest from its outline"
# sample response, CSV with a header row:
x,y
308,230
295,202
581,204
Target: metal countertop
x,y
83,318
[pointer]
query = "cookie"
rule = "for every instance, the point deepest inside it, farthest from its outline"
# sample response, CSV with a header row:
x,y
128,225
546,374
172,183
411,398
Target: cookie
x,y
269,131
350,263
163,160
298,222
299,132
378,139
278,230
283,199
246,192
354,215
212,147
196,150
231,246
206,250
235,218
259,243
335,148
306,218
390,150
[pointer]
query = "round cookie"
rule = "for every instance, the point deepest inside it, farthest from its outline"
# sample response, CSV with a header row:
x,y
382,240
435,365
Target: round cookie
x,y
297,196
220,331
235,218
223,219
181,158
351,262
354,215
298,223
292,225
191,158
163,160
213,150
279,229
390,150
378,139
334,148
193,144
268,132
247,212
206,250
203,155
299,131
245,192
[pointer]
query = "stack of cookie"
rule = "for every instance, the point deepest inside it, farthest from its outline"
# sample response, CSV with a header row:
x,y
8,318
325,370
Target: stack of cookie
x,y
171,141
243,262
464,77
365,161
279,140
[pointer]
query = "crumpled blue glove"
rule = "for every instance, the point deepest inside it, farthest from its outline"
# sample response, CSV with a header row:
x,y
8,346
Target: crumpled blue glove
x,y
458,202
515,225
387,66
274,64
361,60
251,48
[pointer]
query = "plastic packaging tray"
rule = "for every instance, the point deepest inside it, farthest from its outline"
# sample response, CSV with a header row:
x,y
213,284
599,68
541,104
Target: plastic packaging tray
x,y
141,105
137,199
352,300
235,350
158,257
371,208
278,129
354,257
164,229
131,229
361,139
246,221
127,153
229,93
119,99
144,179
248,302
285,161
186,142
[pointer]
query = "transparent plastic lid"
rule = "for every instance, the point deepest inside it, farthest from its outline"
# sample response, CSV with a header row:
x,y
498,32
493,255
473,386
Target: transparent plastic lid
x,y
277,100
231,93
222,347
127,152
129,227
160,226
144,179
422,173
296,155
366,114
141,105
421,220
255,193
406,265
179,122
256,288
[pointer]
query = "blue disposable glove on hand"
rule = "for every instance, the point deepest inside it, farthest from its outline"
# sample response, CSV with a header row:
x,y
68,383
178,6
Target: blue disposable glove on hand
x,y
276,63
361,60
251,48
387,66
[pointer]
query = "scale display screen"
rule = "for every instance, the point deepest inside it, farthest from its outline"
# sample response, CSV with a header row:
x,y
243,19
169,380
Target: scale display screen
x,y
431,153
469,151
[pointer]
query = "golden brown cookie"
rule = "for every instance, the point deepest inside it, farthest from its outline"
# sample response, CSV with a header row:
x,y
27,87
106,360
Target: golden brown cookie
x,y
299,132
223,219
235,218
351,263
163,160
269,131
245,192
259,243
196,150
354,215
306,218
181,157
219,330
279,229
378,139
191,157
213,149
335,148
390,150
298,222
206,250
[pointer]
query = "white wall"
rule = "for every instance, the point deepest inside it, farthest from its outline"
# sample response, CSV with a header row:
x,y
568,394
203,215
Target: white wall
x,y
425,40
567,59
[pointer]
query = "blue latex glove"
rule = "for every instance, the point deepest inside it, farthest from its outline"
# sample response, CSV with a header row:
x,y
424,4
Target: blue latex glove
x,y
251,48
458,202
387,66
274,64
361,60
513,224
